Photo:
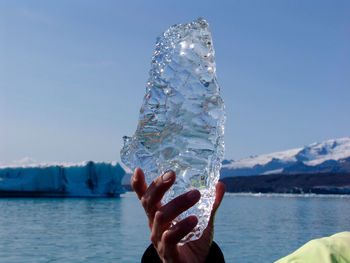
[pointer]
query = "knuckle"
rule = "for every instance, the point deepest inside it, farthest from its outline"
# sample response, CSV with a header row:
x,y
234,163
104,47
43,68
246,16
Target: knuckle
x,y
161,250
153,238
159,217
144,202
166,238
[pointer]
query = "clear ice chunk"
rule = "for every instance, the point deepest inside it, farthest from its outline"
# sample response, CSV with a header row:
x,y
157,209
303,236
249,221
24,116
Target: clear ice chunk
x,y
181,122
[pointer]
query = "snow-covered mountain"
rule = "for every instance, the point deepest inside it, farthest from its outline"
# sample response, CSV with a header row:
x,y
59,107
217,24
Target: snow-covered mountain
x,y
328,156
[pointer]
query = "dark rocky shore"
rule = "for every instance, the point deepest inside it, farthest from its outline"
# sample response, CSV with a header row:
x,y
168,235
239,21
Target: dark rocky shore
x,y
321,183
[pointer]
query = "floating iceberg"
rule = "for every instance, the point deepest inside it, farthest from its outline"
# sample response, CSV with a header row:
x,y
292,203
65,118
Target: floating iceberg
x,y
181,122
88,179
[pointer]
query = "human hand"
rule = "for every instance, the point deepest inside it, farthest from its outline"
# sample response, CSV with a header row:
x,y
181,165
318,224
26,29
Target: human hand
x,y
165,238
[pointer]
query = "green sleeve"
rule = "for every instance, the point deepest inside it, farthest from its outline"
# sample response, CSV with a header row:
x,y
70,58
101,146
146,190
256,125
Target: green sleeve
x,y
333,249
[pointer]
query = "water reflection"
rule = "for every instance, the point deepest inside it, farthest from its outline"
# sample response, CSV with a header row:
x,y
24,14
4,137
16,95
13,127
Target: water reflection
x,y
268,227
249,228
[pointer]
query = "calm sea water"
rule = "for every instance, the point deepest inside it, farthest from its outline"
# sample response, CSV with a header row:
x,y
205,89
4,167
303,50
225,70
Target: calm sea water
x,y
249,228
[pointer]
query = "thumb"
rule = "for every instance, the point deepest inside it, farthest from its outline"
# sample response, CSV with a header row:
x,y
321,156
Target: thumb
x,y
219,195
220,192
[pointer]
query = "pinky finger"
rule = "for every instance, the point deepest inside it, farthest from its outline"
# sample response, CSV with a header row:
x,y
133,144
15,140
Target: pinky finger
x,y
177,232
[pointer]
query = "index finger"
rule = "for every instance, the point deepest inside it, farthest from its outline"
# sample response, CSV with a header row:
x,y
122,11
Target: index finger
x,y
138,182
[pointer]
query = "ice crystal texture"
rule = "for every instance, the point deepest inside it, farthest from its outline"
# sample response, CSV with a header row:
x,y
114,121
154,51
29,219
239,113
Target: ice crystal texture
x,y
181,122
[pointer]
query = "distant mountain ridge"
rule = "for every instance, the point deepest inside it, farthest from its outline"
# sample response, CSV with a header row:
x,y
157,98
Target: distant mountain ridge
x,y
331,156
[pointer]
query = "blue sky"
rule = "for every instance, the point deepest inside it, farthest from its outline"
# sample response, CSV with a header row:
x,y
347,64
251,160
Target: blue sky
x,y
73,73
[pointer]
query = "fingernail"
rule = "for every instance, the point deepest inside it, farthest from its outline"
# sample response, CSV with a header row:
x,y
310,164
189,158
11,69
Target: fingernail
x,y
192,195
167,177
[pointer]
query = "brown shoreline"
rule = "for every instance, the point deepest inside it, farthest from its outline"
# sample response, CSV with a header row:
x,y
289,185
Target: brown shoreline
x,y
320,183
317,183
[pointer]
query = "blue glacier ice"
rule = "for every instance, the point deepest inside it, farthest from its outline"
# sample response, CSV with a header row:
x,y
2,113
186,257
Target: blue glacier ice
x,y
88,179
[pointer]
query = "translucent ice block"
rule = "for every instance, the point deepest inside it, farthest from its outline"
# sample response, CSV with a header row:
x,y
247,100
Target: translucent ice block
x,y
181,122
